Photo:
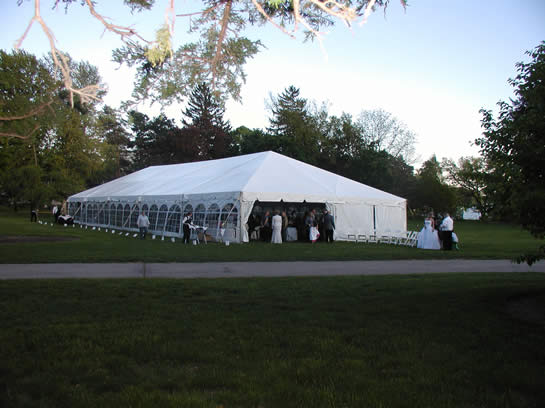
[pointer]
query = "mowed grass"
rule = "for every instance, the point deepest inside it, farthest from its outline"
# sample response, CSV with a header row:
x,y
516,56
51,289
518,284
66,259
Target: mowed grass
x,y
478,241
464,340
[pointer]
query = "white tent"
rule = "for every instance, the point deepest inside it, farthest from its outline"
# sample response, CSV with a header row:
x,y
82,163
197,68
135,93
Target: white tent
x,y
471,214
224,191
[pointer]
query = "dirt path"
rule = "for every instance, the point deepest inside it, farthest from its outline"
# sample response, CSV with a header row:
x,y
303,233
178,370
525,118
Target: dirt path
x,y
257,269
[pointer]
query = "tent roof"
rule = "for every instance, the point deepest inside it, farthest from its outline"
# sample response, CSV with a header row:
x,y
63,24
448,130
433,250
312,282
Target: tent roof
x,y
267,176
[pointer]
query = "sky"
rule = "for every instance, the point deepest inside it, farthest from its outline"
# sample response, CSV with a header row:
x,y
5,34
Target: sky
x,y
433,65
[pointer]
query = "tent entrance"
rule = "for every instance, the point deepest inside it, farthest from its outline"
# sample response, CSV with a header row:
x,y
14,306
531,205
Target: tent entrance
x,y
295,211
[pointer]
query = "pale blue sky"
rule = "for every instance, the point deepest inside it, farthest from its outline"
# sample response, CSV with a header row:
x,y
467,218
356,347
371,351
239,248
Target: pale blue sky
x,y
433,66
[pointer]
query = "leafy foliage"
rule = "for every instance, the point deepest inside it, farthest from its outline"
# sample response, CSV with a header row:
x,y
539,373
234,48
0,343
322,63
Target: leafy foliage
x,y
514,144
471,176
432,192
514,147
50,152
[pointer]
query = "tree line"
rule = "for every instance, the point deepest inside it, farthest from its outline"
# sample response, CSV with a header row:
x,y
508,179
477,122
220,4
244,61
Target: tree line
x,y
51,148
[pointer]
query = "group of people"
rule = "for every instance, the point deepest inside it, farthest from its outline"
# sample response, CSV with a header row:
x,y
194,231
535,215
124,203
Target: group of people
x,y
312,225
274,228
143,224
55,212
437,233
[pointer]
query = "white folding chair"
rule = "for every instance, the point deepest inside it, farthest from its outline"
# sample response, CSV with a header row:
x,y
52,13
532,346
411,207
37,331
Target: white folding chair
x,y
413,239
404,238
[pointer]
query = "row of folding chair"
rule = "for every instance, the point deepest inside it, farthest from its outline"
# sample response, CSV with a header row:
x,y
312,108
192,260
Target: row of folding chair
x,y
409,238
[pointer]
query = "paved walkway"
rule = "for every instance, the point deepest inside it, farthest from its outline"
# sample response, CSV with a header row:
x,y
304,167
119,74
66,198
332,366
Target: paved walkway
x,y
256,269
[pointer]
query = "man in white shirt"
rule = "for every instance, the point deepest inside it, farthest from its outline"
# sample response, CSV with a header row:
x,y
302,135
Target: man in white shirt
x,y
447,226
55,213
143,224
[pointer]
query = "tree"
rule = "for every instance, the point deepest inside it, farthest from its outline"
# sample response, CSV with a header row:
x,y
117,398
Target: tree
x,y
382,131
218,56
293,126
514,145
109,127
152,142
431,191
55,144
27,93
204,114
246,141
471,176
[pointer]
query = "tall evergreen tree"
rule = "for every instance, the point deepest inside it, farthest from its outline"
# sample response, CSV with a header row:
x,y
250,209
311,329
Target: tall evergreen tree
x,y
298,133
153,143
110,128
286,109
203,120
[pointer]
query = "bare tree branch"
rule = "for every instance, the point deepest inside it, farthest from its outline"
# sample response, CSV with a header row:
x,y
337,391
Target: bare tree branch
x,y
122,31
60,60
202,13
367,12
269,18
335,9
224,23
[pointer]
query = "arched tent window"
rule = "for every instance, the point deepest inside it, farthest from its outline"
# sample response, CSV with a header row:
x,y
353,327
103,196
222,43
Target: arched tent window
x,y
135,211
126,213
161,217
153,217
93,219
119,215
188,209
229,216
102,218
199,214
212,217
89,213
174,219
73,210
112,215
83,213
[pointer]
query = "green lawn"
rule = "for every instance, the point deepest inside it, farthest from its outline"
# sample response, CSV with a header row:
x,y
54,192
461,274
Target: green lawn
x,y
473,340
478,241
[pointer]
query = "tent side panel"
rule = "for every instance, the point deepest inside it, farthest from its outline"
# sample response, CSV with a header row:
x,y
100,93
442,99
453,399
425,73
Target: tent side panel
x,y
246,206
352,219
391,220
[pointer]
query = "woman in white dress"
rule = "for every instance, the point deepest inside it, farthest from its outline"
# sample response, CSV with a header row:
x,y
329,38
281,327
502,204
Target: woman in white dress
x,y
428,238
276,229
314,234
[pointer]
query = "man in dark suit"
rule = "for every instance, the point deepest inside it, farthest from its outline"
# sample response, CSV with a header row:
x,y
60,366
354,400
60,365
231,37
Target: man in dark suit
x,y
329,226
187,221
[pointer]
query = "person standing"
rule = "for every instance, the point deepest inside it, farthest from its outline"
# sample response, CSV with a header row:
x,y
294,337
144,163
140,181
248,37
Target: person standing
x,y
329,226
447,227
309,223
276,229
55,212
285,223
265,230
428,237
143,224
314,234
187,221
